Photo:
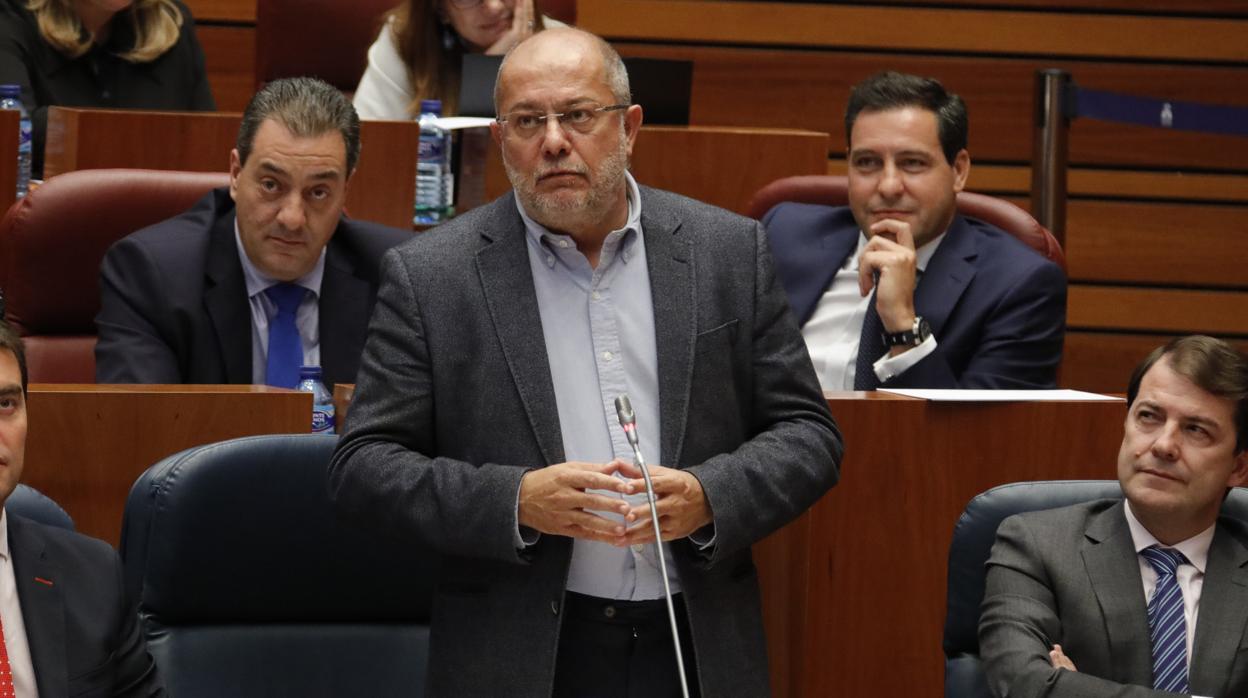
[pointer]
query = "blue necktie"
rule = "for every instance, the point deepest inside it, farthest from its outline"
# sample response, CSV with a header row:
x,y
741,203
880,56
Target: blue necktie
x,y
870,349
285,346
1167,622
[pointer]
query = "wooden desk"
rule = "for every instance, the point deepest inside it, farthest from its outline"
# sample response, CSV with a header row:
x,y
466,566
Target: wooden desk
x,y
87,444
383,188
9,122
718,165
854,591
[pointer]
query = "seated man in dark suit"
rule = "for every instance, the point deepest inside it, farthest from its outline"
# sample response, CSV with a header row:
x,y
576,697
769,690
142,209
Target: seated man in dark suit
x,y
256,280
67,627
1146,596
900,291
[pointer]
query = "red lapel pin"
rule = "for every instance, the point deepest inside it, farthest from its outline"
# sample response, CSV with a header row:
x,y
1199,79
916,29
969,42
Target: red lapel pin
x,y
41,580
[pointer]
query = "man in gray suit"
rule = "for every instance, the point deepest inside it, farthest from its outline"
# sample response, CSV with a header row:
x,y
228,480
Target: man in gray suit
x,y
1146,596
484,424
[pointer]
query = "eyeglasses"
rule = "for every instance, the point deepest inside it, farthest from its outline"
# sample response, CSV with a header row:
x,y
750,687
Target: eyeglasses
x,y
527,124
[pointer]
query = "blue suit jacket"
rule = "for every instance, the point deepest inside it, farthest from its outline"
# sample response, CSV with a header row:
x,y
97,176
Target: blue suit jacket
x,y
996,307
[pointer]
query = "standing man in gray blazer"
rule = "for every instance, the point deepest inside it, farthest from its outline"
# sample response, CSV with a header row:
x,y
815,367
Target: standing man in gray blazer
x,y
1146,596
484,424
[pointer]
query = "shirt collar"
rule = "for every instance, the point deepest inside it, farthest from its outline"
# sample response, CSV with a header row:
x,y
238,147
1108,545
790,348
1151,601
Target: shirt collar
x,y
258,282
4,534
539,234
1195,549
922,255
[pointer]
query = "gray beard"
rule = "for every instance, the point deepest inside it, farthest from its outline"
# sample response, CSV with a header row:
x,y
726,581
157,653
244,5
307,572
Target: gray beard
x,y
564,213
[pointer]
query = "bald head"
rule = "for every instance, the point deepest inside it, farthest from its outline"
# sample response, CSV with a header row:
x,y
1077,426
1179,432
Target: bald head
x,y
557,51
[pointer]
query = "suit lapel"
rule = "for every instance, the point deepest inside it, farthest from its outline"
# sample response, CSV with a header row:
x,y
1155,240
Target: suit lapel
x,y
43,610
948,273
225,299
343,309
815,266
673,293
1223,615
507,283
1113,571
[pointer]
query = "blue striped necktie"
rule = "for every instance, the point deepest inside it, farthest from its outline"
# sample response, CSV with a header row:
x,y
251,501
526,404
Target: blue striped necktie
x,y
1167,622
285,346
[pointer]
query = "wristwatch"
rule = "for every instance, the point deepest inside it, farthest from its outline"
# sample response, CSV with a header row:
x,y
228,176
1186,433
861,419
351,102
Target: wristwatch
x,y
912,337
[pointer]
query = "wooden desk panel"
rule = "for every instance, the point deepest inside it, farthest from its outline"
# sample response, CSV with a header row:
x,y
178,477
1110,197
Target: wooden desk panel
x,y
9,123
854,592
87,444
383,188
720,166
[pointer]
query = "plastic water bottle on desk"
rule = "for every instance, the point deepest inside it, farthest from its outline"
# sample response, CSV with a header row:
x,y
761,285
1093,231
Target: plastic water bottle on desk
x,y
434,181
322,400
11,98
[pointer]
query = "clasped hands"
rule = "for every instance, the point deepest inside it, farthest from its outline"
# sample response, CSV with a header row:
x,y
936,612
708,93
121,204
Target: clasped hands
x,y
556,500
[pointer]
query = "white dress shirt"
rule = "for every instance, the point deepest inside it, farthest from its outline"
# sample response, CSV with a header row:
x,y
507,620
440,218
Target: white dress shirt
x,y
833,331
307,318
20,664
1191,577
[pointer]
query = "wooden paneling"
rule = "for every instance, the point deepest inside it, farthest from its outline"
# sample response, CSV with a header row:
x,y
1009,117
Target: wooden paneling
x,y
1157,310
1151,243
9,123
870,616
87,444
1102,362
230,56
1179,7
224,10
383,188
916,29
809,89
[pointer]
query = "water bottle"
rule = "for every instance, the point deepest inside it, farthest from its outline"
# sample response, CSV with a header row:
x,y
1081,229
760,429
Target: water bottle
x,y
322,401
434,181
11,98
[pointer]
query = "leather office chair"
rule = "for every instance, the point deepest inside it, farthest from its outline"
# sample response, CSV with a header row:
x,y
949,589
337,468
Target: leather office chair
x,y
248,585
833,191
31,503
973,537
51,245
329,39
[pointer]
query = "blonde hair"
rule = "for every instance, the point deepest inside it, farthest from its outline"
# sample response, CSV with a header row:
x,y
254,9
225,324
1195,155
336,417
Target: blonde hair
x,y
433,71
156,25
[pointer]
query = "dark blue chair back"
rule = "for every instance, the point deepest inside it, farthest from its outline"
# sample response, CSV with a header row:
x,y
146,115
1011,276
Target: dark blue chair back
x,y
30,503
973,537
249,585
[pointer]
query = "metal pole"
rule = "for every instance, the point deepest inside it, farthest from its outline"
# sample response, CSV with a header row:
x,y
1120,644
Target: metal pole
x,y
1054,108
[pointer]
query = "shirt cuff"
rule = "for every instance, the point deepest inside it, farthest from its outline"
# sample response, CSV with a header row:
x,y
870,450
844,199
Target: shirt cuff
x,y
522,536
704,537
889,367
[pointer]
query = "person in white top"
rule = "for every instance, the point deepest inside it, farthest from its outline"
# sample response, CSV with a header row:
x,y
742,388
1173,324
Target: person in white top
x,y
1147,596
418,52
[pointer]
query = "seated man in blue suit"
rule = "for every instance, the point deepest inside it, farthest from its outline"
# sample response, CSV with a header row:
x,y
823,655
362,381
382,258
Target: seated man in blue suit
x,y
1145,596
258,279
67,627
899,290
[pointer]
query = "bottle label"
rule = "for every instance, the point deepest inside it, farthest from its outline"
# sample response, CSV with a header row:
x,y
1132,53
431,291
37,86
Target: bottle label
x,y
323,419
430,149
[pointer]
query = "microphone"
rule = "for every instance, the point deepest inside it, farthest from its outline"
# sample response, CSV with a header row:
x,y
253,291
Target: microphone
x,y
628,422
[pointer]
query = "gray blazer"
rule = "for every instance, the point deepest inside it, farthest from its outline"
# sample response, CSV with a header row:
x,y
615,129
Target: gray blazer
x,y
1070,576
455,403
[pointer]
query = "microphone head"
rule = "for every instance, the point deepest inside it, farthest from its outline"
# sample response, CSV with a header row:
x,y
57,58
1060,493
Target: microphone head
x,y
624,410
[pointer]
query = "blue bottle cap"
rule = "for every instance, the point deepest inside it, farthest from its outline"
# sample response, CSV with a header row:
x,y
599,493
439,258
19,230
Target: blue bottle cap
x,y
431,106
310,372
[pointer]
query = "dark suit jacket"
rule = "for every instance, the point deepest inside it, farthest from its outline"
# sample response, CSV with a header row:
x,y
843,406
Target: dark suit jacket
x,y
996,307
1071,576
174,308
455,403
84,636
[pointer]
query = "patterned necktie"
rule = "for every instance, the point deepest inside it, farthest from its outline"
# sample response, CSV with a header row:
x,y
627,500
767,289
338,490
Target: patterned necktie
x,y
870,349
285,347
6,674
1167,622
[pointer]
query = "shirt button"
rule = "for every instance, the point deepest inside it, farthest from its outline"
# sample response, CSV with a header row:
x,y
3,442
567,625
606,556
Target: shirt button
x,y
596,295
607,356
638,548
564,244
550,260
608,611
